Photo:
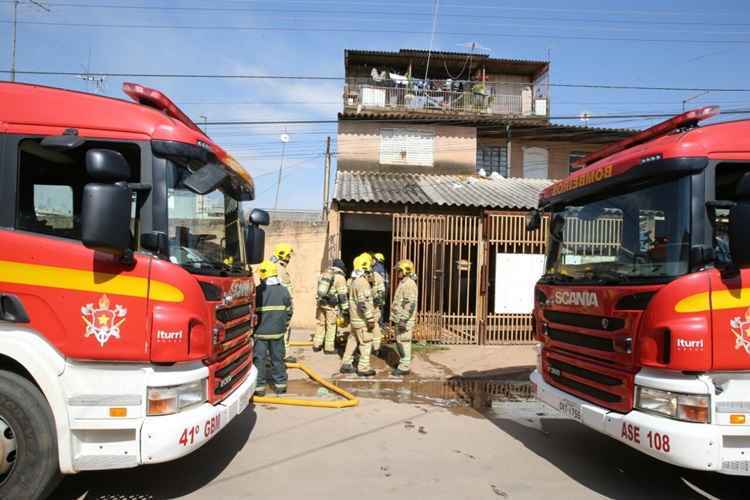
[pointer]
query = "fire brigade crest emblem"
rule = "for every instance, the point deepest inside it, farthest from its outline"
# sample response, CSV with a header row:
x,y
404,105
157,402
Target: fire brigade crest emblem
x,y
741,329
103,322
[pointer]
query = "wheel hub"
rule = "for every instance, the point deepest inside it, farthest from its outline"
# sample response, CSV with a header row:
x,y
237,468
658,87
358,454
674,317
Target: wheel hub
x,y
7,449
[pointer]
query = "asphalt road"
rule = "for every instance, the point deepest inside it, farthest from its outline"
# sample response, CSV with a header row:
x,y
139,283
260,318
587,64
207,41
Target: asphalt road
x,y
385,449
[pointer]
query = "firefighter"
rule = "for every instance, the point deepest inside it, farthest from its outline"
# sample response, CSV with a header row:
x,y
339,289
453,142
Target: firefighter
x,y
282,254
403,314
333,301
377,280
274,308
362,319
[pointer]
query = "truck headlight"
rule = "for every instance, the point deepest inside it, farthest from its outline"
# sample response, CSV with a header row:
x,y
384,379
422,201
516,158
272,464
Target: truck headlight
x,y
173,399
688,407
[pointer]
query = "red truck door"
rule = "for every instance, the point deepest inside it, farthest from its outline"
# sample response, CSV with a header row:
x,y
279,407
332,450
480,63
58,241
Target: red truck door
x,y
87,303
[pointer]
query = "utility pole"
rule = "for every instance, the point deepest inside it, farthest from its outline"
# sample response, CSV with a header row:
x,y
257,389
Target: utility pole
x,y
15,29
326,177
284,139
205,123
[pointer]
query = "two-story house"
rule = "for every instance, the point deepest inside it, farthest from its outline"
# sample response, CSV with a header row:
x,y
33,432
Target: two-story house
x,y
439,156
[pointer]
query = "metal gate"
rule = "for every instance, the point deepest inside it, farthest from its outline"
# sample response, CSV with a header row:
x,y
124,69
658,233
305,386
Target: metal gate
x,y
446,253
505,232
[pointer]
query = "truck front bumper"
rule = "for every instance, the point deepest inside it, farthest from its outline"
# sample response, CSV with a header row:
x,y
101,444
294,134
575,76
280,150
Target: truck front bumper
x,y
719,448
169,437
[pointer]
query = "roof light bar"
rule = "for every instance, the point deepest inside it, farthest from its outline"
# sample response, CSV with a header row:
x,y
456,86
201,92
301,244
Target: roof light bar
x,y
155,99
687,119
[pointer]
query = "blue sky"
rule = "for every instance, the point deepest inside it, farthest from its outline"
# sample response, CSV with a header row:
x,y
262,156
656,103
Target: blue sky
x,y
706,55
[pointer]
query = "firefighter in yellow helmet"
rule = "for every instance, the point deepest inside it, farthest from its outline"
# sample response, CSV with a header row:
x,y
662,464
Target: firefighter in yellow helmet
x,y
282,254
333,301
274,309
362,319
377,280
404,313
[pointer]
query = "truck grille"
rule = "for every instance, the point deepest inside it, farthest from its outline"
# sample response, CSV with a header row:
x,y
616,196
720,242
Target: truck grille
x,y
605,386
232,348
598,337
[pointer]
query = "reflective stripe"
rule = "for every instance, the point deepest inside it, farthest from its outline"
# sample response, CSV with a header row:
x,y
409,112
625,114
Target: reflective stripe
x,y
271,308
270,336
87,281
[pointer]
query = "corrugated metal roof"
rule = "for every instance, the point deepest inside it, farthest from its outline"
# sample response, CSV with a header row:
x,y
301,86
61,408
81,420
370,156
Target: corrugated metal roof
x,y
439,53
440,190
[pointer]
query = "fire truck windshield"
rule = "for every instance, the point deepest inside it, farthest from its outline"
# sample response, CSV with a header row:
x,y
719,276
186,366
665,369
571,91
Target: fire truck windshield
x,y
640,236
204,230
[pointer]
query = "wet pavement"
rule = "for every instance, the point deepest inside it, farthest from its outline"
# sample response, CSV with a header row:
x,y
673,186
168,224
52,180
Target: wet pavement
x,y
455,437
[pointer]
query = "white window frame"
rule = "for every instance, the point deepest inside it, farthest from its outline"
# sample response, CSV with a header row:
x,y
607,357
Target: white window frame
x,y
414,138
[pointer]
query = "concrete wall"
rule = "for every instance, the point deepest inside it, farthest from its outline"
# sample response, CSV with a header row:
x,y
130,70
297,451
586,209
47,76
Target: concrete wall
x,y
358,148
558,154
309,240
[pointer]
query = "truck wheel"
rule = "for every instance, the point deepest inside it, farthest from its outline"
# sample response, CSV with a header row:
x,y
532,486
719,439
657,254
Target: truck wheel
x,y
28,440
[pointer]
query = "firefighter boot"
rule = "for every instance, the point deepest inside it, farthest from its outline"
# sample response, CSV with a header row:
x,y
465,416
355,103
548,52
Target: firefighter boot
x,y
398,372
346,369
367,373
260,392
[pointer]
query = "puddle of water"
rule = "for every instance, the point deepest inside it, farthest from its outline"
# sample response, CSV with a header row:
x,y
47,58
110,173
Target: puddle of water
x,y
506,396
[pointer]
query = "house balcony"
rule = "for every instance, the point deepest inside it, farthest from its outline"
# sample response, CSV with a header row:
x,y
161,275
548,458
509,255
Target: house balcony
x,y
443,97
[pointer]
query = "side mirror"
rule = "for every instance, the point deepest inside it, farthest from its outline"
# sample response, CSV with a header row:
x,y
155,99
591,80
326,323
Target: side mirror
x,y
533,220
155,242
106,165
255,242
105,217
739,214
259,217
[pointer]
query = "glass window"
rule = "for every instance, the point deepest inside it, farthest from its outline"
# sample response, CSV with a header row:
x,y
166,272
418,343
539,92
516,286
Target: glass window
x,y
573,157
641,235
53,206
50,186
204,230
493,159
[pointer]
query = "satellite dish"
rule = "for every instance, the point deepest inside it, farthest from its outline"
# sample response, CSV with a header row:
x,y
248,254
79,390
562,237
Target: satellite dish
x,y
284,138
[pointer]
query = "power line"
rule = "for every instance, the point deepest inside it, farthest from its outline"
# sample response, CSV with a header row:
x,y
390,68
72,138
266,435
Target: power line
x,y
468,121
341,78
485,34
368,13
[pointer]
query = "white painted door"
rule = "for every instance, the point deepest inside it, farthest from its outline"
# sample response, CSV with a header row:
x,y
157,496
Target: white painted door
x,y
404,146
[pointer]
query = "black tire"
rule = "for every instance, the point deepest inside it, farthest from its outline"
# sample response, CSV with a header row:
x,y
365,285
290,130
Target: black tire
x,y
36,471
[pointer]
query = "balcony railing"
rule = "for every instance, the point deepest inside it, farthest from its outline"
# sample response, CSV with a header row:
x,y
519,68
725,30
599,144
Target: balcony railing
x,y
376,96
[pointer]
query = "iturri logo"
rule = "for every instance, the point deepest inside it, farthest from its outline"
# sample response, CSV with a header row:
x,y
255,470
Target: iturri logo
x,y
570,298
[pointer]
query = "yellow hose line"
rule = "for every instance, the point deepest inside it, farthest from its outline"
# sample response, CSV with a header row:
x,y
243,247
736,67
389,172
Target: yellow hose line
x,y
349,402
301,343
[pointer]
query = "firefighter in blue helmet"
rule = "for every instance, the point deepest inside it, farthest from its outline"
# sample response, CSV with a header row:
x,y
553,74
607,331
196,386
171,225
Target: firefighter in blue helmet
x,y
274,309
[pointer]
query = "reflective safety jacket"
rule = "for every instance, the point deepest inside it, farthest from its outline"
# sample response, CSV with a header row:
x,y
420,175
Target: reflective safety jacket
x,y
361,310
404,306
274,308
378,290
332,290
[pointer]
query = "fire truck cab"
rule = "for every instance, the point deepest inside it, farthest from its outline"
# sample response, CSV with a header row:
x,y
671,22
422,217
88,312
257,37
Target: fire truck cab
x,y
126,296
643,313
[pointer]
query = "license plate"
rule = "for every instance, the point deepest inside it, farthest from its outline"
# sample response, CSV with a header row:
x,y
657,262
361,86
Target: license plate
x,y
570,409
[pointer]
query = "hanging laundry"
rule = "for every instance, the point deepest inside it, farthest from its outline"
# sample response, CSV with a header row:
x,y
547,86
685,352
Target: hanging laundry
x,y
378,77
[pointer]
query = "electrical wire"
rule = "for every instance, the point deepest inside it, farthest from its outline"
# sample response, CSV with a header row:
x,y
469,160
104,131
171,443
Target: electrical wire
x,y
535,36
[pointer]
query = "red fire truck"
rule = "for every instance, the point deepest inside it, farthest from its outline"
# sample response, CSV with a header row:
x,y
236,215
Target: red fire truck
x,y
643,313
126,297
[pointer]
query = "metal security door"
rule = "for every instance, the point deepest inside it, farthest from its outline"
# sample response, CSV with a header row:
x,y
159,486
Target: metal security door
x,y
421,239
